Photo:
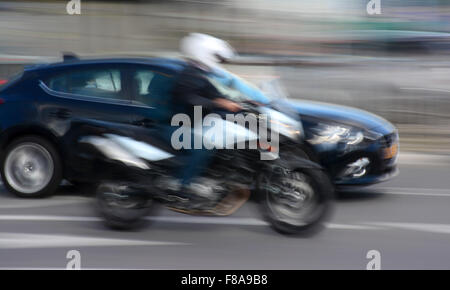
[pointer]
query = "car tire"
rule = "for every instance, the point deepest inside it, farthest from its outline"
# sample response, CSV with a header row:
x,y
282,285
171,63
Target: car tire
x,y
31,167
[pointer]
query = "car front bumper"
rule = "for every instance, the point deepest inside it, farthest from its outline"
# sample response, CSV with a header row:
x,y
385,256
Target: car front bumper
x,y
373,163
370,178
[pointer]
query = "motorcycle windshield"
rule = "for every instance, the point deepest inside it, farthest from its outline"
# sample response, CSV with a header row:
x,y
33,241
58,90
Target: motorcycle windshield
x,y
237,88
271,94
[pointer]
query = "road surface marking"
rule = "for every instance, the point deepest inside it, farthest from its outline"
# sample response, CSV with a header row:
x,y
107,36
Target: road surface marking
x,y
417,194
210,220
422,227
173,219
351,227
49,218
406,158
429,192
19,241
427,89
40,203
242,222
13,203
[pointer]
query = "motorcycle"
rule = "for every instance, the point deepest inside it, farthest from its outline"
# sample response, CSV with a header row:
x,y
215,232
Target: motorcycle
x,y
135,171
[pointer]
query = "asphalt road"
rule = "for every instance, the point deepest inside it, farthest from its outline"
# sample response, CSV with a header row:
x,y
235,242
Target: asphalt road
x,y
406,219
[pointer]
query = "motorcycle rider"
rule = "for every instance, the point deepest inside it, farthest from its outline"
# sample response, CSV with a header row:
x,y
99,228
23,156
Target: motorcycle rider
x,y
193,88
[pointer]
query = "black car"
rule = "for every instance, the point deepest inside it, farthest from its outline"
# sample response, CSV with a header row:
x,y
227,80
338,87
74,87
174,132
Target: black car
x,y
38,106
355,146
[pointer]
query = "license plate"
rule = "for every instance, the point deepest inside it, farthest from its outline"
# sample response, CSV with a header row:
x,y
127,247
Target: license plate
x,y
390,152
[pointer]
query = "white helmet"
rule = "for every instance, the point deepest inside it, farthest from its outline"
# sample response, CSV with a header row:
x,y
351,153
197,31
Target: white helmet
x,y
205,49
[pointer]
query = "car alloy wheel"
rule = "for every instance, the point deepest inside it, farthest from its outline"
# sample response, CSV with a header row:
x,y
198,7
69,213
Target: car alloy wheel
x,y
28,168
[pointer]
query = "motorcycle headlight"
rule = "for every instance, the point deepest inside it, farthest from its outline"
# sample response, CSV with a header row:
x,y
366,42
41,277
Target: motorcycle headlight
x,y
289,130
282,123
333,134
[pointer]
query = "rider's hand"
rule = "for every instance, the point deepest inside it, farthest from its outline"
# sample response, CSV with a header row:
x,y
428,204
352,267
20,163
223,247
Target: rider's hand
x,y
227,104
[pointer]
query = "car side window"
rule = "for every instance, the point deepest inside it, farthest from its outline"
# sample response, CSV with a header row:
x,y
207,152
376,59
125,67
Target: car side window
x,y
151,88
103,83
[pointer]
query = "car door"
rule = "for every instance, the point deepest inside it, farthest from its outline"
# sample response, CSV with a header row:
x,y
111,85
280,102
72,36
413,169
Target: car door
x,y
151,94
96,92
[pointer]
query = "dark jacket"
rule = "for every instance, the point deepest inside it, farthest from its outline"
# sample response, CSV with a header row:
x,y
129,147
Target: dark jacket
x,y
192,88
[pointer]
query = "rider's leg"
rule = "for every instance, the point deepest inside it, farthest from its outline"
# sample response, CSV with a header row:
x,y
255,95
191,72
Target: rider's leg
x,y
194,162
195,165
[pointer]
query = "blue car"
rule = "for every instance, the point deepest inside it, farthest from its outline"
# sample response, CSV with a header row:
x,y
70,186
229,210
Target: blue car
x,y
37,106
355,146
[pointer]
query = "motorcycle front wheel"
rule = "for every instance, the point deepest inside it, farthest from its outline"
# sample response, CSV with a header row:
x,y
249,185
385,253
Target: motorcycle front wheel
x,y
121,208
296,202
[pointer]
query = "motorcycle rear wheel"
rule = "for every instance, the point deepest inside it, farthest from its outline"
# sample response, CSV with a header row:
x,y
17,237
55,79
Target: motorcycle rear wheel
x,y
121,208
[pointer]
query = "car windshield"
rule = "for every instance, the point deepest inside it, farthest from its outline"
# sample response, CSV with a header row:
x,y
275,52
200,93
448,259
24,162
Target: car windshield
x,y
244,91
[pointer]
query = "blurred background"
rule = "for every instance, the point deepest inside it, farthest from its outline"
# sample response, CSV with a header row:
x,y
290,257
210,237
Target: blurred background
x,y
395,64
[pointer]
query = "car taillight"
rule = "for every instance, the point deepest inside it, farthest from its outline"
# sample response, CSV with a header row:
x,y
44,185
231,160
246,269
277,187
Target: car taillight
x,y
2,82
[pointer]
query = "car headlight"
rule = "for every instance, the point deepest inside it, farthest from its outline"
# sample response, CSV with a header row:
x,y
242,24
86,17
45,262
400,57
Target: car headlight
x,y
333,134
